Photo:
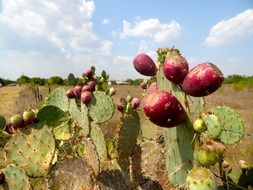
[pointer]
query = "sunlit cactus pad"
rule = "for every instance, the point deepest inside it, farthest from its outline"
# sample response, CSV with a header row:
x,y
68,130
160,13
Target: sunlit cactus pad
x,y
101,108
63,131
213,125
232,125
59,99
79,116
31,149
16,178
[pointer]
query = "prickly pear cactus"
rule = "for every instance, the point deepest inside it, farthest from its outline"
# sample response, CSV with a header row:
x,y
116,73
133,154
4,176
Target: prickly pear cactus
x,y
101,108
232,125
2,122
32,149
213,125
16,178
59,99
178,140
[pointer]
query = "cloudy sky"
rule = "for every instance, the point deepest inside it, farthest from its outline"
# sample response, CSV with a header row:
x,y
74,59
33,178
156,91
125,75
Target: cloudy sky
x,y
47,38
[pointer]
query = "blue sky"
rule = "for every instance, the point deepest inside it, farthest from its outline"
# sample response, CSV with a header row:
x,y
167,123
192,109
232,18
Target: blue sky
x,y
47,38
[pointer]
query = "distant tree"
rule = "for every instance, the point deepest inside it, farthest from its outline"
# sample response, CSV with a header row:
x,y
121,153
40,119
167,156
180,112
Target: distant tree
x,y
71,79
38,81
23,80
55,80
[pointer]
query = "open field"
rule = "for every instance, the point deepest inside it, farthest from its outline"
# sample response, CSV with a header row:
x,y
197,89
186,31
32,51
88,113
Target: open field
x,y
15,99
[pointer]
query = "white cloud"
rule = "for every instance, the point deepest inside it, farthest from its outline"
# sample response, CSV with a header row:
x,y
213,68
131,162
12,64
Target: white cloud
x,y
122,59
152,28
106,47
105,21
231,30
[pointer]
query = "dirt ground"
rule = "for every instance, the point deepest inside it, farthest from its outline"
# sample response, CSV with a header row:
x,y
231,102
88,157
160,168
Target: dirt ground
x,y
14,99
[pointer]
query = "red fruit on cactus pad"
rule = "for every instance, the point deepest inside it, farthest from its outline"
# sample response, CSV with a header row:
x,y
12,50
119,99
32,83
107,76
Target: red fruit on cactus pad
x,y
17,121
88,73
135,103
143,85
153,87
77,90
202,80
28,117
92,85
86,97
175,68
164,109
70,93
86,88
145,65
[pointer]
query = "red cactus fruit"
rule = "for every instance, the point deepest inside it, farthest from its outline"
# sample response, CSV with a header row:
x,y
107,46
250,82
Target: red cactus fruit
x,y
175,68
144,65
88,73
120,107
153,87
77,90
135,103
92,85
86,88
202,80
164,109
9,128
28,117
70,93
86,97
143,85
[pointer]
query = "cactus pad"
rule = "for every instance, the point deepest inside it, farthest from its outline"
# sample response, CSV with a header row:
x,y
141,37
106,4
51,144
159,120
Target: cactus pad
x,y
2,122
63,131
128,134
101,107
99,141
4,137
16,178
52,116
80,116
213,125
59,99
232,125
32,149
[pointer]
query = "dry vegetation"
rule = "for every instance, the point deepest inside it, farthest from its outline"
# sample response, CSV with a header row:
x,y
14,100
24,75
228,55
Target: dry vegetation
x,y
16,99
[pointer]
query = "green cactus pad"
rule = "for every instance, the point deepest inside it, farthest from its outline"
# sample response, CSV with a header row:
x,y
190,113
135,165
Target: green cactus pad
x,y
207,158
32,149
52,116
63,131
212,122
149,130
16,178
129,131
39,183
101,108
179,151
4,137
80,117
232,125
59,99
99,141
2,122
3,159
200,178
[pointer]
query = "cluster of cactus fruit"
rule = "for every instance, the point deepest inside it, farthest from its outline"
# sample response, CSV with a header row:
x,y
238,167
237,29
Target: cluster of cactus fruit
x,y
70,126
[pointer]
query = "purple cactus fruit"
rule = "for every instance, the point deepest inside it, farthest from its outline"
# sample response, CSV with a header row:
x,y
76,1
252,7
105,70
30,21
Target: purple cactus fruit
x,y
88,73
86,97
112,91
143,85
164,109
202,80
144,65
17,121
135,103
120,107
153,87
70,93
77,90
175,68
92,85
28,117
9,128
122,100
86,88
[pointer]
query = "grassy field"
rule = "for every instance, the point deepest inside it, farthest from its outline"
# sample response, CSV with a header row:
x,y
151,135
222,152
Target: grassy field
x,y
16,99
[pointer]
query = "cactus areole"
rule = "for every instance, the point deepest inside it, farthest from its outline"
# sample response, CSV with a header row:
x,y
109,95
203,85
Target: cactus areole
x,y
145,65
164,109
202,80
175,68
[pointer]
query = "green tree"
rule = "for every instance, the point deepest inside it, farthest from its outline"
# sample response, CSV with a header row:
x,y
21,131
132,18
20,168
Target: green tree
x,y
71,79
23,80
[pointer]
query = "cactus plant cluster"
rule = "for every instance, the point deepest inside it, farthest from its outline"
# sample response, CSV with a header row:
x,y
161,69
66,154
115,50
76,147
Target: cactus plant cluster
x,y
50,147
